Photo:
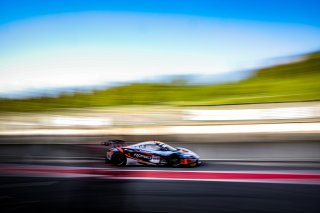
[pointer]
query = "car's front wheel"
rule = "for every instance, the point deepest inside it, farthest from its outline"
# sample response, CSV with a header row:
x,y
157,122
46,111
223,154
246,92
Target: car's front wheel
x,y
174,161
119,160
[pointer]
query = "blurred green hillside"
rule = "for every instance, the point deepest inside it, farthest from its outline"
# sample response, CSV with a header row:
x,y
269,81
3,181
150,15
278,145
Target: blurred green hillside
x,y
296,81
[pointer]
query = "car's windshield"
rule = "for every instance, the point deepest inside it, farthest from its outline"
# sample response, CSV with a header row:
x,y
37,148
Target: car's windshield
x,y
155,146
169,148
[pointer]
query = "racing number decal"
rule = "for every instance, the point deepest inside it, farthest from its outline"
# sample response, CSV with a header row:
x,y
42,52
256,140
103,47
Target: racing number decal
x,y
155,159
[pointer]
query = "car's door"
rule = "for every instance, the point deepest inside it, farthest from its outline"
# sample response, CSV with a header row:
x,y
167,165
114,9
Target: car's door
x,y
140,153
155,151
146,153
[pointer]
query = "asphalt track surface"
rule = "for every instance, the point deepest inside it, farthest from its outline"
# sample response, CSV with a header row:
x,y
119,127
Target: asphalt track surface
x,y
33,187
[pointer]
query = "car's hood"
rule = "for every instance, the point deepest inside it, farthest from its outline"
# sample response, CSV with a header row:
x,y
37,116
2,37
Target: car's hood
x,y
187,152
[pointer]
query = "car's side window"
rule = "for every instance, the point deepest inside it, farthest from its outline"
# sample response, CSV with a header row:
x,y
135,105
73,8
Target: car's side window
x,y
153,147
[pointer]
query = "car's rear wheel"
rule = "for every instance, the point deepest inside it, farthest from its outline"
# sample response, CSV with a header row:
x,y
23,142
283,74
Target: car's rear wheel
x,y
119,160
106,160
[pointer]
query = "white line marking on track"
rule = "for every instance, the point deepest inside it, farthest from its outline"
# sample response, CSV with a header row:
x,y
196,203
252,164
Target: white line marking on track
x,y
221,180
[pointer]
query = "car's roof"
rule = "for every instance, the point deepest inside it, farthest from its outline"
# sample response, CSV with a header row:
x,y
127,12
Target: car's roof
x,y
149,142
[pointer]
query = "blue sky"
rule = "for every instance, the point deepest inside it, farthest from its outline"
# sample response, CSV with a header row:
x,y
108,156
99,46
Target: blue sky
x,y
62,43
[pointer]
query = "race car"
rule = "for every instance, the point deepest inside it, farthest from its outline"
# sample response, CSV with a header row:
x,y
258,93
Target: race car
x,y
149,153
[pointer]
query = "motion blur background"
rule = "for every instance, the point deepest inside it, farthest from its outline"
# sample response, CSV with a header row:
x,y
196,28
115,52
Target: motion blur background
x,y
235,81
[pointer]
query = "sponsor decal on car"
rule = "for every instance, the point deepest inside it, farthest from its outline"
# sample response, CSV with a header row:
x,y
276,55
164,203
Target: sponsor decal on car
x,y
137,155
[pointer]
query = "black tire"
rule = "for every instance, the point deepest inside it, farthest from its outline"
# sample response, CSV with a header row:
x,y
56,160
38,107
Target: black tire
x,y
196,164
106,160
119,159
174,161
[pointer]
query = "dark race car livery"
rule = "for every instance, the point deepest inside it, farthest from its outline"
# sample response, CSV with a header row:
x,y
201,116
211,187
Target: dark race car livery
x,y
149,153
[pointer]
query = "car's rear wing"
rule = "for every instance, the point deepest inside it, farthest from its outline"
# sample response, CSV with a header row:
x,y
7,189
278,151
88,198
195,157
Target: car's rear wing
x,y
114,143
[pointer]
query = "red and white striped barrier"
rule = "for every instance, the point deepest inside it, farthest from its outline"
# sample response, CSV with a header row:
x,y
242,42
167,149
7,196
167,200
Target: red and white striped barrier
x,y
302,177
